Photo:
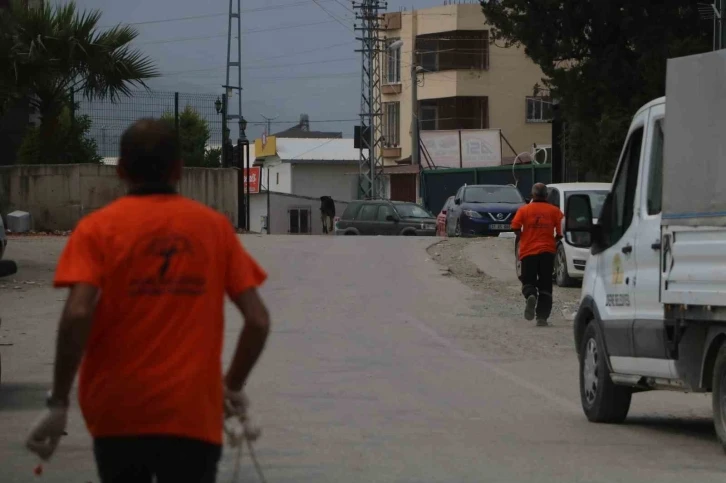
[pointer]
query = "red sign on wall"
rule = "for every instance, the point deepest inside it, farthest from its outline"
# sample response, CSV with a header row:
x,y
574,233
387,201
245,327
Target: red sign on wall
x,y
252,180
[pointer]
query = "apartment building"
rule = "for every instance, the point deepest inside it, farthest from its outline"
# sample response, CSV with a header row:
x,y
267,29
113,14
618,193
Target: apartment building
x,y
464,83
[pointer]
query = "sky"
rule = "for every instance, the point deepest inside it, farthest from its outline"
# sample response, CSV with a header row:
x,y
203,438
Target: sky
x,y
298,56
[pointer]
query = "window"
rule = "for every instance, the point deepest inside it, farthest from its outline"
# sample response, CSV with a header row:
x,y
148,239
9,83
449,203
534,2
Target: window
x,y
393,63
384,211
428,118
620,209
392,112
368,213
655,176
299,220
539,109
454,50
410,210
492,194
351,211
554,198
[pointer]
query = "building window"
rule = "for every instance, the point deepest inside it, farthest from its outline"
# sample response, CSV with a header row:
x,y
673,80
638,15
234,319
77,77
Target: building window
x,y
392,112
393,63
457,50
299,222
429,117
539,109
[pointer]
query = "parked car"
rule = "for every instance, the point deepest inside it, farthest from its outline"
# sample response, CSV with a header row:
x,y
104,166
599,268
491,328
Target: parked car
x,y
483,210
441,219
383,217
570,260
7,268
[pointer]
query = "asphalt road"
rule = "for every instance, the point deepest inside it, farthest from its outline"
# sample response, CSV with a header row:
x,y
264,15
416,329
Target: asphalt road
x,y
387,363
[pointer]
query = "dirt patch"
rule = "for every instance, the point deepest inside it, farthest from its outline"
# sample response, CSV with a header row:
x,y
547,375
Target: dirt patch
x,y
493,320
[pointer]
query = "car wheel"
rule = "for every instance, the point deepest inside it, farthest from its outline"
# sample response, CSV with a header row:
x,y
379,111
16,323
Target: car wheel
x,y
457,230
602,400
517,261
350,233
718,396
562,276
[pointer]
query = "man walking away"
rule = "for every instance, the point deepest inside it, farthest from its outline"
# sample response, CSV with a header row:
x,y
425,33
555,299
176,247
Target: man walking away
x,y
145,314
327,213
535,225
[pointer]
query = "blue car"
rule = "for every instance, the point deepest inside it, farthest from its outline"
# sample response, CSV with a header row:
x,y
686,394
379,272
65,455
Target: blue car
x,y
483,210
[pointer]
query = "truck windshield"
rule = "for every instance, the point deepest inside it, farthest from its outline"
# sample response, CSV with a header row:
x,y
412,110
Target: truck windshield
x,y
410,210
492,194
597,198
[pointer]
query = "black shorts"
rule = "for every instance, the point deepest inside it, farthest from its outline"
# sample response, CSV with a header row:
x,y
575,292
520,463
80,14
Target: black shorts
x,y
164,459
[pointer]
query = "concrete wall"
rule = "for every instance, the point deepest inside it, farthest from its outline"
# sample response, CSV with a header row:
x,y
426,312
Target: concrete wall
x,y
57,196
316,180
280,203
508,81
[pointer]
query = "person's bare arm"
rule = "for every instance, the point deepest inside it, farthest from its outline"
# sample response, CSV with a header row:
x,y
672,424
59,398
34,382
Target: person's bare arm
x,y
251,340
73,330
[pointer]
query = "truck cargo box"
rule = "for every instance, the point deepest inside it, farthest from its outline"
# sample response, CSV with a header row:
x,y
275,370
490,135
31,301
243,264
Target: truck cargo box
x,y
694,164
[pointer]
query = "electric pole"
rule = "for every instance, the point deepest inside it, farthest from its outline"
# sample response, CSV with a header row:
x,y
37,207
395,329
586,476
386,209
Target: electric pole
x,y
269,123
370,179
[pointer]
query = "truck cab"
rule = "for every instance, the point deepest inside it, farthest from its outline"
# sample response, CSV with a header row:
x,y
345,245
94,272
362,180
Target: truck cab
x,y
652,310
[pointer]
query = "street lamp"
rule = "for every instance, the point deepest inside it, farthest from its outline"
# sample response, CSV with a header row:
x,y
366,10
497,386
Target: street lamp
x,y
220,105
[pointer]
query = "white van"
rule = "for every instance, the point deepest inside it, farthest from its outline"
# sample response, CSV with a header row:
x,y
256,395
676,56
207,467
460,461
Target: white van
x,y
652,313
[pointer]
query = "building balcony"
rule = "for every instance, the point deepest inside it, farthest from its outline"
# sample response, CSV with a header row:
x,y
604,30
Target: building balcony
x,y
454,113
454,50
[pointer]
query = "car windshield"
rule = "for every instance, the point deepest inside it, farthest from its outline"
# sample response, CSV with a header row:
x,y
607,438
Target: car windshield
x,y
492,194
410,210
597,198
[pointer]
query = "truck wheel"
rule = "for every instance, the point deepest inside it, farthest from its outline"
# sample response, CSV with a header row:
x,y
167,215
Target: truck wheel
x,y
602,400
562,276
718,396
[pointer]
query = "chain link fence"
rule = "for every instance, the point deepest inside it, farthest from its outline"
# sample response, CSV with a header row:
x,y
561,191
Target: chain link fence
x,y
110,119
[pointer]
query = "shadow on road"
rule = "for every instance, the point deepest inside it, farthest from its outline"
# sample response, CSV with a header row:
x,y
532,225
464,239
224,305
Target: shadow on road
x,y
22,396
699,428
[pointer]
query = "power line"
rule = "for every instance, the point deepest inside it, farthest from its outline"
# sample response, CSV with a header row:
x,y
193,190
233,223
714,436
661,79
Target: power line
x,y
213,15
344,6
331,15
257,67
245,32
297,121
319,76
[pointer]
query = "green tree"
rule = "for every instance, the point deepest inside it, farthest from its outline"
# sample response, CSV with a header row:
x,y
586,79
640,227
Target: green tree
x,y
193,138
51,51
69,144
602,60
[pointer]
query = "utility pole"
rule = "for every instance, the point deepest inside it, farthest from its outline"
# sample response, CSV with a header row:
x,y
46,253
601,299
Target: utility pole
x,y
269,123
370,179
415,143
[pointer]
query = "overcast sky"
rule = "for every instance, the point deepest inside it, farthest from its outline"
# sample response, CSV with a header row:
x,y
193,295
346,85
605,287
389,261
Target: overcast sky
x,y
191,54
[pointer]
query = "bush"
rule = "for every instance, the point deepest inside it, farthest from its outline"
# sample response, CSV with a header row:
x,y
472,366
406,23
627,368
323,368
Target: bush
x,y
64,141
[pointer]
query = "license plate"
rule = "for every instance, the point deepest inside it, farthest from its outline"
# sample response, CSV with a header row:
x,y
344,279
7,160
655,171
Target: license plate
x,y
500,227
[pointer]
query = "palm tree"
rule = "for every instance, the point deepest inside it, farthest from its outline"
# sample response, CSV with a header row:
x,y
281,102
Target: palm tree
x,y
49,52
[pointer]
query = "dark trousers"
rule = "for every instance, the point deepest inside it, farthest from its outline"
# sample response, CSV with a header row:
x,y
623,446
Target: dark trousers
x,y
537,281
168,459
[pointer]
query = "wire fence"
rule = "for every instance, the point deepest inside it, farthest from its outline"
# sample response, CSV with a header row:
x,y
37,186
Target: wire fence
x,y
110,119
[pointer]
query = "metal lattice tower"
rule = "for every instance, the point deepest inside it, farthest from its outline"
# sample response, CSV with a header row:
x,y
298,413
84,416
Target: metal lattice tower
x,y
235,24
370,180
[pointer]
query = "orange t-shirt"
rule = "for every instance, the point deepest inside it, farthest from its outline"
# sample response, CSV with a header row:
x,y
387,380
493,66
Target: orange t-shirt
x,y
538,221
153,361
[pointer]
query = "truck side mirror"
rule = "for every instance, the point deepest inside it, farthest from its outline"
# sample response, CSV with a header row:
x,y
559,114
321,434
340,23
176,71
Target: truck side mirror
x,y
457,201
392,218
578,221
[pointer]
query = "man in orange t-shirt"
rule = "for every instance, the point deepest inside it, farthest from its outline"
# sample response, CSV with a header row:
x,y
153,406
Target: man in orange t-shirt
x,y
148,276
535,225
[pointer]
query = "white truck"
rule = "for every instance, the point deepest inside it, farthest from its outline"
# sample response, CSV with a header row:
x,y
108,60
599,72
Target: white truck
x,y
652,312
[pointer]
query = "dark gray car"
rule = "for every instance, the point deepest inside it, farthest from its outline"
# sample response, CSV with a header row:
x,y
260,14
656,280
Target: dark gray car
x,y
382,217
